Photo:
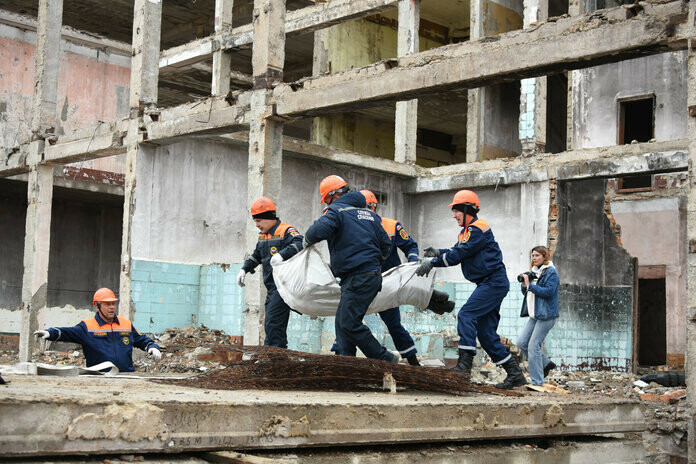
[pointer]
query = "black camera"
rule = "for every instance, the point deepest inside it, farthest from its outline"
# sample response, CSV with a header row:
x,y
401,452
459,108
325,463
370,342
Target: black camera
x,y
531,275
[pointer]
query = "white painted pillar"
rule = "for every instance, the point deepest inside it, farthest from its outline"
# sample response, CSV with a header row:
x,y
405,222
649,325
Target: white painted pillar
x,y
533,92
474,114
37,243
147,21
221,58
44,112
406,124
265,143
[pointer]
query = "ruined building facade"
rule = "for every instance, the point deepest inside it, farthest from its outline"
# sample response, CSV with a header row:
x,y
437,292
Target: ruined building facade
x,y
135,138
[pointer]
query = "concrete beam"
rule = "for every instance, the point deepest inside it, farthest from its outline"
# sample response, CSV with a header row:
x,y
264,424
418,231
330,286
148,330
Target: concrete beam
x,y
68,33
268,50
577,164
569,43
214,115
302,21
308,150
37,244
406,122
77,417
44,109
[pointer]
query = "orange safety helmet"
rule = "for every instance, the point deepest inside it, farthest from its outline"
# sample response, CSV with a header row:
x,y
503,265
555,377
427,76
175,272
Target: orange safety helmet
x,y
465,197
262,205
370,197
330,185
103,295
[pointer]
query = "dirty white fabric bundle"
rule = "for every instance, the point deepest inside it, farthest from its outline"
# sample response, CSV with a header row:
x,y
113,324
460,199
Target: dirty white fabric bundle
x,y
307,285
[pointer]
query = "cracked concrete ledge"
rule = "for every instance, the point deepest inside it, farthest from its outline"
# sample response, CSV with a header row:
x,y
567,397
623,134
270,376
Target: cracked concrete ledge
x,y
113,415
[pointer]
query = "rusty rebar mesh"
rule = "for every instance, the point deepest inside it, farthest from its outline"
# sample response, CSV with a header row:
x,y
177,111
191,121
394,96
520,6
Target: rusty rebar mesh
x,y
269,368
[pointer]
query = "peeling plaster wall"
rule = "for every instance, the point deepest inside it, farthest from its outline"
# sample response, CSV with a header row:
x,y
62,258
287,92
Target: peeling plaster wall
x,y
596,90
663,245
92,86
190,203
518,216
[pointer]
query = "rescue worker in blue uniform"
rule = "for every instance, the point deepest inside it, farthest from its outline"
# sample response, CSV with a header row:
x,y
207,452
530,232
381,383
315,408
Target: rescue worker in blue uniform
x,y
482,263
358,246
392,317
278,241
105,337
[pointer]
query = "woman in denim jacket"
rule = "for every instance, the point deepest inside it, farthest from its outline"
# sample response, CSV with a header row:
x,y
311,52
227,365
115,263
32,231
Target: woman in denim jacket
x,y
540,304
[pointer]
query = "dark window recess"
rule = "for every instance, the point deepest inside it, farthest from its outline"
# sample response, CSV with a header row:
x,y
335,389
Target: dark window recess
x,y
635,183
382,197
435,139
636,120
652,322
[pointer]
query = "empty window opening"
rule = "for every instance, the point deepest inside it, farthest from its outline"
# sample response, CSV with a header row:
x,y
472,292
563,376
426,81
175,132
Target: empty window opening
x,y
652,326
642,183
636,120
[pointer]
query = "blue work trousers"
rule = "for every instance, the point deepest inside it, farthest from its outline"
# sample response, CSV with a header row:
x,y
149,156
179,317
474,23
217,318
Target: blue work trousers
x,y
530,341
479,317
276,323
357,292
402,339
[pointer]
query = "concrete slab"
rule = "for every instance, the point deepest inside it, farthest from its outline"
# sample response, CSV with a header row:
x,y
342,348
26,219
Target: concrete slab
x,y
54,416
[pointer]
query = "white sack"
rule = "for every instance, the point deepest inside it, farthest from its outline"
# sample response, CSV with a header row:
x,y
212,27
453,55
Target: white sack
x,y
307,285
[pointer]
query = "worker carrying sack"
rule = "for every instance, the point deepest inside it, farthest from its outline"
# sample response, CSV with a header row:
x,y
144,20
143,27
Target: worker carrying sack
x,y
307,285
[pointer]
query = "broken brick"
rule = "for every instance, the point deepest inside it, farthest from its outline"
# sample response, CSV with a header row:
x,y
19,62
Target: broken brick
x,y
649,397
673,396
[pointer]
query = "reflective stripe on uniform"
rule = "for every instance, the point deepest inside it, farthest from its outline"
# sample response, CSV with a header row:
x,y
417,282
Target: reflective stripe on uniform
x,y
466,347
402,352
504,360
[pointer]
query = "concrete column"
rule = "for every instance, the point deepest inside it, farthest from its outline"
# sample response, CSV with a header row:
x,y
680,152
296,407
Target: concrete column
x,y
265,143
474,114
406,125
221,58
44,115
691,255
147,24
575,8
533,92
37,241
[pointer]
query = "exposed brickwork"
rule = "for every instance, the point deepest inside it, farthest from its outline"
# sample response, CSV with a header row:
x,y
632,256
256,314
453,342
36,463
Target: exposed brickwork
x,y
553,217
615,226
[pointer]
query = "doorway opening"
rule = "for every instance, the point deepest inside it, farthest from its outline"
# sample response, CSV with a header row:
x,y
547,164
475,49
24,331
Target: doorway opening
x,y
652,322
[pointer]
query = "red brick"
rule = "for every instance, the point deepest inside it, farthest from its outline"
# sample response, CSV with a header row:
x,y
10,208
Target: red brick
x,y
674,395
649,397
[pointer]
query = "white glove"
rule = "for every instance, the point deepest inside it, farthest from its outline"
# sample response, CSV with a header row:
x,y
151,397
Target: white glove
x,y
155,353
276,258
41,334
240,278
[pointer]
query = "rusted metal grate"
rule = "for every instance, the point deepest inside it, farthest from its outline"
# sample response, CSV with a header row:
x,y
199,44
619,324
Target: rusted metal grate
x,y
269,368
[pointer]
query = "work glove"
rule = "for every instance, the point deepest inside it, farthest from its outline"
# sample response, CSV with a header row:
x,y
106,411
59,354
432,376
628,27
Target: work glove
x,y
276,258
240,278
305,243
425,266
155,353
430,252
41,334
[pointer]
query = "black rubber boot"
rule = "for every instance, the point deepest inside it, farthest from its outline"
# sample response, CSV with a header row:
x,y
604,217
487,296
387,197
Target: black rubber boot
x,y
413,360
515,377
439,303
548,368
466,359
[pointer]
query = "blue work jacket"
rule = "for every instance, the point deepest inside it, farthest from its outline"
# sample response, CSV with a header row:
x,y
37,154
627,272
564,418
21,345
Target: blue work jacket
x,y
102,341
281,238
478,253
399,240
357,240
546,296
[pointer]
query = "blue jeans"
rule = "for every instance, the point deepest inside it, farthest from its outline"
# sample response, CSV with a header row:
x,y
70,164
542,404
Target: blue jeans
x,y
357,292
530,341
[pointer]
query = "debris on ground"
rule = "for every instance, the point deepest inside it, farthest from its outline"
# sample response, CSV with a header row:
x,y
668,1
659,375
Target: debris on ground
x,y
270,368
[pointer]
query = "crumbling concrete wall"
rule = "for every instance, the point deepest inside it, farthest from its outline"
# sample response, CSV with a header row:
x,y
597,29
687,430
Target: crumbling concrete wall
x,y
597,280
596,92
93,86
654,231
